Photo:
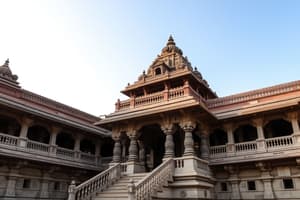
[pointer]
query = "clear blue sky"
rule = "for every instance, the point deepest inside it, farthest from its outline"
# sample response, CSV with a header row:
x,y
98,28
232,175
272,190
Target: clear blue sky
x,y
83,53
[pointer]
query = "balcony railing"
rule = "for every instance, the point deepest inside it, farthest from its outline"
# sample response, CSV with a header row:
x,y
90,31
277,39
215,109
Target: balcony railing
x,y
252,147
158,97
17,144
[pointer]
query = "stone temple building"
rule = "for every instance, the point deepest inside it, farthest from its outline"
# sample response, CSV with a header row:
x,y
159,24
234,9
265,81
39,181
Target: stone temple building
x,y
173,138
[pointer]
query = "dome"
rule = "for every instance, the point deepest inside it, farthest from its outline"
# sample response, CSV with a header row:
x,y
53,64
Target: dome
x,y
171,47
5,72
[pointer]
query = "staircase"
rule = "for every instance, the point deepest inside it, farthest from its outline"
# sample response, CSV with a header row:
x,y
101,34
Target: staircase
x,y
119,190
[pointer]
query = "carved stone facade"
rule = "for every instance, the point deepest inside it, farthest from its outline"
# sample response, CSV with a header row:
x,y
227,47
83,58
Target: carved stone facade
x,y
244,146
45,144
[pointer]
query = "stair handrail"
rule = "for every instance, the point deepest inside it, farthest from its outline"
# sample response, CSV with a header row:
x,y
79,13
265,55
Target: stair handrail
x,y
158,178
97,183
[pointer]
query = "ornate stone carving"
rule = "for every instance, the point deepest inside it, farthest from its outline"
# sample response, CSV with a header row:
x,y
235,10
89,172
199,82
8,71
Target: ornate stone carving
x,y
117,150
188,138
6,73
133,150
169,144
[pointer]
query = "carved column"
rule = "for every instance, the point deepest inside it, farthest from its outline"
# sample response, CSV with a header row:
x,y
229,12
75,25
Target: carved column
x,y
44,191
293,118
267,179
234,180
142,157
169,143
260,134
117,150
77,146
52,142
98,152
23,133
133,150
204,148
230,145
188,139
11,181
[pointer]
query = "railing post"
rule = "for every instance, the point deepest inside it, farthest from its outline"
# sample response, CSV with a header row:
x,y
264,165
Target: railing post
x,y
71,191
131,190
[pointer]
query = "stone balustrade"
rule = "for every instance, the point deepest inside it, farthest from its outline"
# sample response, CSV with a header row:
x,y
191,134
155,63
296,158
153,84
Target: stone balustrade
x,y
158,97
37,148
252,147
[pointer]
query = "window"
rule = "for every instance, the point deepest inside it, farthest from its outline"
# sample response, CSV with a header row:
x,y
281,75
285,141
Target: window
x,y
157,71
224,187
251,185
288,183
26,183
56,186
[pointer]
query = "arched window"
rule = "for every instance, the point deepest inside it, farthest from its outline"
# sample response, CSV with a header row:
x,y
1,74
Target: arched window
x,y
245,133
218,137
157,71
38,133
65,140
9,126
278,128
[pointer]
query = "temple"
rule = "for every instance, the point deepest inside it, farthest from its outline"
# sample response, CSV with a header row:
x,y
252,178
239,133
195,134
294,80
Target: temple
x,y
173,138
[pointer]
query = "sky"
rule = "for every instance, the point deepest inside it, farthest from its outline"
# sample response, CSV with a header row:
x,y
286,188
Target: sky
x,y
84,52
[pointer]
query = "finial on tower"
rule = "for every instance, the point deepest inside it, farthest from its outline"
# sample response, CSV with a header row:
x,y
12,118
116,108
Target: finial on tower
x,y
171,41
6,64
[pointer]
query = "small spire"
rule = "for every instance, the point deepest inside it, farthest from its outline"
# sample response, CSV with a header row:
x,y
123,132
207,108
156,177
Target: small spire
x,y
170,41
6,64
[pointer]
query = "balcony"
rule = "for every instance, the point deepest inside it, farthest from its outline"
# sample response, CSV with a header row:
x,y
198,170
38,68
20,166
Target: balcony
x,y
271,148
32,150
158,97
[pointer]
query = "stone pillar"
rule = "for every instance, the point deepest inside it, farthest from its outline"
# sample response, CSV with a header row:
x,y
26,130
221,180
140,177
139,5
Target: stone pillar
x,y
44,189
169,143
267,179
234,179
98,152
11,183
77,146
261,146
133,150
123,146
117,150
53,146
230,145
23,133
188,139
293,118
204,148
142,157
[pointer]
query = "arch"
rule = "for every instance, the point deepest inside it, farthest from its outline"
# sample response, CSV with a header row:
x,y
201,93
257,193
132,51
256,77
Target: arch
x,y
245,133
178,138
153,140
38,133
65,140
87,146
158,71
218,137
9,125
277,128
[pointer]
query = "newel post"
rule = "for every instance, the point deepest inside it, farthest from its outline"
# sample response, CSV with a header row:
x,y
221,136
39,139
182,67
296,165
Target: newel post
x,y
71,191
131,190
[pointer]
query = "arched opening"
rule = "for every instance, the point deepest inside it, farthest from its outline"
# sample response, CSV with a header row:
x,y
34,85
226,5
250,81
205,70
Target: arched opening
x,y
278,128
245,133
65,140
87,146
107,147
38,133
178,138
157,71
153,140
197,143
218,137
9,126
